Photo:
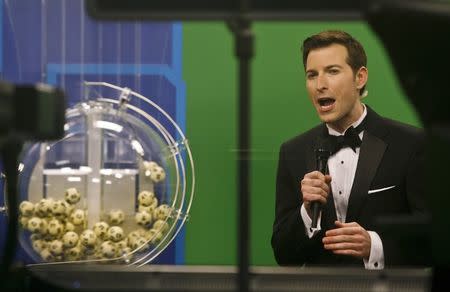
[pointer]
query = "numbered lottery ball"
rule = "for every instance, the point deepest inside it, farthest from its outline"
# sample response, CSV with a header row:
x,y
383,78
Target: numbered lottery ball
x,y
108,249
78,217
116,217
157,174
145,198
54,227
150,165
73,253
69,226
35,224
101,229
39,245
56,247
132,236
59,208
161,212
88,238
26,208
122,244
140,243
148,209
161,226
72,196
68,209
70,239
143,218
154,236
115,233
46,255
43,208
23,221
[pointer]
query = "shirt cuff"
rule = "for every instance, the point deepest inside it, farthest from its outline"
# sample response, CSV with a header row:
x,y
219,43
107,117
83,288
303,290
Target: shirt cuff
x,y
308,222
376,258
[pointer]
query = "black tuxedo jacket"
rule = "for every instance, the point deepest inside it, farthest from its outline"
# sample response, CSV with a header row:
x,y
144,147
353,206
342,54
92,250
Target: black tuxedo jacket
x,y
391,154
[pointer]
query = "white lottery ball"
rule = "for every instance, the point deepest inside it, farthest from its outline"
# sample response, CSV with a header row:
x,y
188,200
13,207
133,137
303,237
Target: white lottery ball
x,y
115,233
35,224
150,165
23,221
26,208
158,174
73,253
140,243
56,247
88,238
116,217
59,208
154,236
43,208
133,235
122,244
39,245
72,196
145,198
143,218
161,212
78,217
101,229
161,226
68,209
108,249
46,255
126,255
148,209
70,239
69,226
54,227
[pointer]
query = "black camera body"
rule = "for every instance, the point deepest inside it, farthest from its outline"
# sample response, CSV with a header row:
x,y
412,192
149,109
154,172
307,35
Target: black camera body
x,y
32,112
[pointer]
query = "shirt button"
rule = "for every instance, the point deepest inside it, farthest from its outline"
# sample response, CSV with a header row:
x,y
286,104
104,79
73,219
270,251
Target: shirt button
x,y
340,193
375,264
342,161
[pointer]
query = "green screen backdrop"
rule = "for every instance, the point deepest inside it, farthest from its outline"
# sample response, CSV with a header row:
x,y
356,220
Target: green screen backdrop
x,y
280,110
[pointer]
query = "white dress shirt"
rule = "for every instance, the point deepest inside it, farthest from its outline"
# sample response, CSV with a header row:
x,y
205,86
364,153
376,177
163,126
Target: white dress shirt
x,y
342,168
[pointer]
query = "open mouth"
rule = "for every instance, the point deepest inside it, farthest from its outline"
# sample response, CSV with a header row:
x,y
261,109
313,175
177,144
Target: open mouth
x,y
326,101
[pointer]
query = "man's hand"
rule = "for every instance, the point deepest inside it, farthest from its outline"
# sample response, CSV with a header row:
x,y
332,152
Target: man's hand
x,y
315,187
348,239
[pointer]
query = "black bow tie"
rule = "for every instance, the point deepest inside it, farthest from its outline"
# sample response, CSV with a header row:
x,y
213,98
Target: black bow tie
x,y
349,139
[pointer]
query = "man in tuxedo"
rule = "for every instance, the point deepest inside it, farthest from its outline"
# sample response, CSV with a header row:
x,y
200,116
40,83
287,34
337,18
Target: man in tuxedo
x,y
375,168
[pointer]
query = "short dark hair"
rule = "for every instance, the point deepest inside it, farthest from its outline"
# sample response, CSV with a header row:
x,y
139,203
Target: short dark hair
x,y
356,55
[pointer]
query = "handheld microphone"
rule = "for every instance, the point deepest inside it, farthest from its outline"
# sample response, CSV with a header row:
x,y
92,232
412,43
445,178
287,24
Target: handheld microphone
x,y
323,152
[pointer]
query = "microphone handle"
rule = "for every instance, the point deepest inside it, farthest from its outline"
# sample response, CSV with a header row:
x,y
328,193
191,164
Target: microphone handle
x,y
315,206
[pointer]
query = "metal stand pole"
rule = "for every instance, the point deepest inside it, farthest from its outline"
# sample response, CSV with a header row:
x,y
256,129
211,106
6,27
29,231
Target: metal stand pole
x,y
244,52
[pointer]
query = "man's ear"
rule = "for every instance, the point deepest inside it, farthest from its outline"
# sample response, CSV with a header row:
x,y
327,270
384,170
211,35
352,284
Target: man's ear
x,y
361,77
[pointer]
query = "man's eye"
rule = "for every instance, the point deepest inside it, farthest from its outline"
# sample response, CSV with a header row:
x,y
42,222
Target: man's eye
x,y
310,75
333,71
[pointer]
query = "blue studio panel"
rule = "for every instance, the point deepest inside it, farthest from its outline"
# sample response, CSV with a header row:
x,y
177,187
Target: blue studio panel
x,y
55,42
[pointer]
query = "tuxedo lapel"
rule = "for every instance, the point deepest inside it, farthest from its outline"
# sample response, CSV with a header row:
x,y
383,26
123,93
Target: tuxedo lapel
x,y
371,153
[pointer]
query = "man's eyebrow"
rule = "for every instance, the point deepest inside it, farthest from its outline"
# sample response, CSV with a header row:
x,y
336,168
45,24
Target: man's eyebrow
x,y
326,68
333,65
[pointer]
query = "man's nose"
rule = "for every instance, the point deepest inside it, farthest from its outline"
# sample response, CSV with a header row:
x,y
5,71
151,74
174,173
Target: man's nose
x,y
321,82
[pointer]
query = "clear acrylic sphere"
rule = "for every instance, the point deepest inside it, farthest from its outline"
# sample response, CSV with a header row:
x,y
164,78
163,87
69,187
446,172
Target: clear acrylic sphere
x,y
114,188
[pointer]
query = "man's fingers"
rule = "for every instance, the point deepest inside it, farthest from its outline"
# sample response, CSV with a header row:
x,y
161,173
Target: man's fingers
x,y
314,197
315,175
344,230
344,245
349,252
339,238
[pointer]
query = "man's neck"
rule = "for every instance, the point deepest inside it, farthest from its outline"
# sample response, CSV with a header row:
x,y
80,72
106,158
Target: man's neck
x,y
338,129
